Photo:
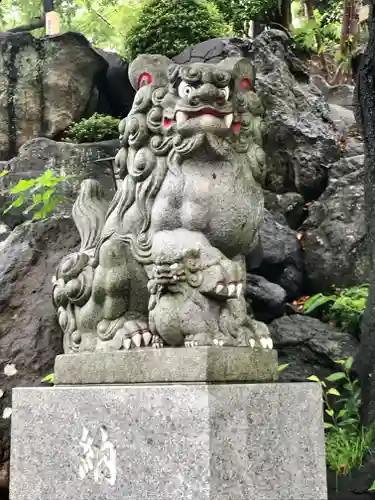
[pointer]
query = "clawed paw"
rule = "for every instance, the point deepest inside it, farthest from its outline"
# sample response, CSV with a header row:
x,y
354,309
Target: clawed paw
x,y
168,273
136,334
157,342
191,343
230,290
263,342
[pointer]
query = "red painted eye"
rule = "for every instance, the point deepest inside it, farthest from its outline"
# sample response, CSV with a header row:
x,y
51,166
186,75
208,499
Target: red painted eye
x,y
144,79
246,84
168,123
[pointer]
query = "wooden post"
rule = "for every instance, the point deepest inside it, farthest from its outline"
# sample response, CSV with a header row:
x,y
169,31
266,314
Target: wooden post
x,y
52,18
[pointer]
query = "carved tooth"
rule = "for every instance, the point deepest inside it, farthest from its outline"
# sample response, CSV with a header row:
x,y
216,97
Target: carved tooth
x,y
221,343
216,342
252,343
239,290
174,266
195,343
264,342
147,338
231,290
228,119
137,339
270,343
188,344
219,288
127,343
181,117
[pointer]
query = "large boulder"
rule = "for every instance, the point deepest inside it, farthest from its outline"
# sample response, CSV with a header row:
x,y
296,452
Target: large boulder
x,y
90,160
335,233
115,91
47,83
309,346
301,141
30,337
282,257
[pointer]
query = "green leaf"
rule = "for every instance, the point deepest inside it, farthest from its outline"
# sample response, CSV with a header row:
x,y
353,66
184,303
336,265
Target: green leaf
x,y
316,301
49,378
4,172
372,487
283,367
349,363
314,378
341,413
330,412
22,185
333,391
327,425
336,376
341,361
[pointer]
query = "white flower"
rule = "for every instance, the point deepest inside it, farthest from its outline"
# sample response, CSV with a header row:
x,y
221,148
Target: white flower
x,y
7,412
10,370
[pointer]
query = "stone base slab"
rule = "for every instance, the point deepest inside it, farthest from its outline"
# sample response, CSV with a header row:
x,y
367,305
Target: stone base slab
x,y
171,365
168,442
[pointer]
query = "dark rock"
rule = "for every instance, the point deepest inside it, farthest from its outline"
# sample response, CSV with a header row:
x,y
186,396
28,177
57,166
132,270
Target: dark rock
x,y
267,299
282,261
301,142
30,337
115,91
340,95
309,346
335,233
287,208
48,83
79,160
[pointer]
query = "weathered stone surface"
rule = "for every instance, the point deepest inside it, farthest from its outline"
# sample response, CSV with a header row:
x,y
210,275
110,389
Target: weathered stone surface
x,y
48,83
309,346
219,442
172,365
335,232
267,299
30,337
282,261
79,160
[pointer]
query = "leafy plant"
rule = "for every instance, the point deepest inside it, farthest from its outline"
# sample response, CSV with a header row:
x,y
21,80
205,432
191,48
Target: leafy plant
x,y
347,441
344,307
317,34
94,129
239,12
49,379
169,26
41,192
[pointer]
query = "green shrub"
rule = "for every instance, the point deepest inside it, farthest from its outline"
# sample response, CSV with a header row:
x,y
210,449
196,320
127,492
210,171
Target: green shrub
x,y
94,129
167,27
344,307
239,13
347,441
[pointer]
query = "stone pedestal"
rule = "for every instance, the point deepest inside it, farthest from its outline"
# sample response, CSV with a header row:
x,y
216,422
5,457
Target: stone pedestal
x,y
169,441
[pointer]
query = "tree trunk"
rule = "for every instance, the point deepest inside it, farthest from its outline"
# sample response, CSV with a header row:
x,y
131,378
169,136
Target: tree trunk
x,y
285,13
319,43
348,39
365,114
33,25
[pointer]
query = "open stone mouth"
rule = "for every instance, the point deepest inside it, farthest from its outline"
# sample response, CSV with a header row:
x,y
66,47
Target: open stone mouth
x,y
184,116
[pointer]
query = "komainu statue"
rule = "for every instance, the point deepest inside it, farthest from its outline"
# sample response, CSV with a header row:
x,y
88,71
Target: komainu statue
x,y
163,265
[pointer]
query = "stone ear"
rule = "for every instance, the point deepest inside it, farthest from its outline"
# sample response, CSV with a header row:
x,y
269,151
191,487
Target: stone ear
x,y
149,69
244,75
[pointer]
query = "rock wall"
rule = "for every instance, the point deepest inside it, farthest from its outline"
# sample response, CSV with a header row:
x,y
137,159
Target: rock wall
x,y
47,83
